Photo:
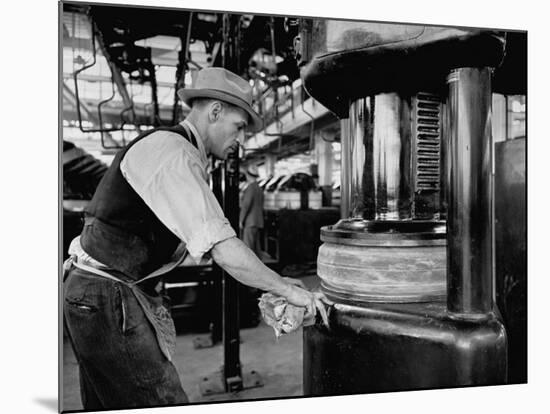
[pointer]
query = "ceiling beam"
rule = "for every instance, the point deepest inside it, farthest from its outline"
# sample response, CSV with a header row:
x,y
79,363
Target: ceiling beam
x,y
287,125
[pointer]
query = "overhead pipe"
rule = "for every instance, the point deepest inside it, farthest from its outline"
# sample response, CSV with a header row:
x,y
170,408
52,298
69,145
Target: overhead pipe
x,y
183,59
117,78
70,96
78,101
100,118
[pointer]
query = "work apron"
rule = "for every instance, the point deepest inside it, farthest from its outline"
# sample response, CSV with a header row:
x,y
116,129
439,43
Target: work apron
x,y
158,316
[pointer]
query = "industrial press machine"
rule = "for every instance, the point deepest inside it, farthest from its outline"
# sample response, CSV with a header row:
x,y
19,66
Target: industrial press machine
x,y
410,265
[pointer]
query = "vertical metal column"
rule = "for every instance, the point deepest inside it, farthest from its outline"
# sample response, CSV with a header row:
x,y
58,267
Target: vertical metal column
x,y
232,374
230,378
232,365
217,311
469,192
215,323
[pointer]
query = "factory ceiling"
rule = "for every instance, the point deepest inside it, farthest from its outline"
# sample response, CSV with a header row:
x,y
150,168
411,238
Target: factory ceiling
x,y
122,67
155,50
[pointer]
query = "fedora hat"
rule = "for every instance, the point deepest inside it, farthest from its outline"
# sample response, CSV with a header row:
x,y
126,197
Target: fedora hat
x,y
219,83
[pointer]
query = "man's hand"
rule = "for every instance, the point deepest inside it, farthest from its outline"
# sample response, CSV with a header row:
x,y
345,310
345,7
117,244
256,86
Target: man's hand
x,y
312,301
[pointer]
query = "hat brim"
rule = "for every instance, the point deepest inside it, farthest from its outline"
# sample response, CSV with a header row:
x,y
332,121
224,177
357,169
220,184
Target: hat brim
x,y
188,94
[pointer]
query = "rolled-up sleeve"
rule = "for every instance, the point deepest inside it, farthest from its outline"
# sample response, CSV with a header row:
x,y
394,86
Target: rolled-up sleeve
x,y
168,176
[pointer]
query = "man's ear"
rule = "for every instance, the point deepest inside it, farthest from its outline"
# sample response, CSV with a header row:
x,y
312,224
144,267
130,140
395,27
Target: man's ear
x,y
215,110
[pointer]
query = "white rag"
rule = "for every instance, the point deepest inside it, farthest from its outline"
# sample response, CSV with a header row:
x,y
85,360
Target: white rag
x,y
283,316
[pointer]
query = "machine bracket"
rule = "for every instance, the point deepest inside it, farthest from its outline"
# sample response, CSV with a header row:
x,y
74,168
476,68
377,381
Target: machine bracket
x,y
213,383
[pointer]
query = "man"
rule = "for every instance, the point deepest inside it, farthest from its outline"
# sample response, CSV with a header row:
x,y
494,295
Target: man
x,y
153,210
251,216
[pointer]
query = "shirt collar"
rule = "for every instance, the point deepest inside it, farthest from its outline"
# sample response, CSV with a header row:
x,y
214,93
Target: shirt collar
x,y
200,142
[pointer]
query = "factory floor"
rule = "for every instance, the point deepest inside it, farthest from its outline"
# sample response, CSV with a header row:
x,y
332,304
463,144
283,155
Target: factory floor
x,y
277,361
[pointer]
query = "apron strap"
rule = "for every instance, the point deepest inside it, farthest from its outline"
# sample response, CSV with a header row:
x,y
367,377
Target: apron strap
x,y
160,271
97,272
163,269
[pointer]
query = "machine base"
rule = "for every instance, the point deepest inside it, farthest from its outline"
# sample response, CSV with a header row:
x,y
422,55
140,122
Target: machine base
x,y
397,347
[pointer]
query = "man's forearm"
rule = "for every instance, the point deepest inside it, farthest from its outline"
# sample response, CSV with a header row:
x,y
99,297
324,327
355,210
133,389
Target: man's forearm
x,y
239,261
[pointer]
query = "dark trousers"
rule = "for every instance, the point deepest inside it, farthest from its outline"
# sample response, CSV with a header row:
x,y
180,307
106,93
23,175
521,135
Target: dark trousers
x,y
251,237
121,364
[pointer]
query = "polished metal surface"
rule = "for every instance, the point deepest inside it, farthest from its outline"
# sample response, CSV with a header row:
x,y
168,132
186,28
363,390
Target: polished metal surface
x,y
444,171
391,157
378,155
469,192
361,232
360,137
345,173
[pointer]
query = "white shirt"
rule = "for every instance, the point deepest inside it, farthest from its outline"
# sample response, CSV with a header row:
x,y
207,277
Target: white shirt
x,y
170,175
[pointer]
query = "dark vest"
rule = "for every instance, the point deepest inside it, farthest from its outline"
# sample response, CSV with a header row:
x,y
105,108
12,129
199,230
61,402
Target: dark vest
x,y
120,230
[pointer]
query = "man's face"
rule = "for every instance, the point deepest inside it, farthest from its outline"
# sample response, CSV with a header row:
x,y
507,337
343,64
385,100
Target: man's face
x,y
228,130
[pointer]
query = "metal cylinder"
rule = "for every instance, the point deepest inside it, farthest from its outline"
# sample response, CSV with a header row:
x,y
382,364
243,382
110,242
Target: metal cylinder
x,y
383,261
390,158
380,157
469,190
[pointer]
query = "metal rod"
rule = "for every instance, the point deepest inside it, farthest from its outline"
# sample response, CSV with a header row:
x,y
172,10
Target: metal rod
x,y
99,116
116,77
216,327
154,93
232,365
272,35
181,69
469,196
345,175
232,373
77,96
444,178
225,39
188,36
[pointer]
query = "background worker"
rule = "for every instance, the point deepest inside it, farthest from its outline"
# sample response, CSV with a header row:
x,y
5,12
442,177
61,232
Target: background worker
x,y
251,216
153,210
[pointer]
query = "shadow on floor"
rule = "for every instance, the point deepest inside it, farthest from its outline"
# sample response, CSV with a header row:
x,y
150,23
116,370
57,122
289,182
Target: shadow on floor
x,y
49,403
